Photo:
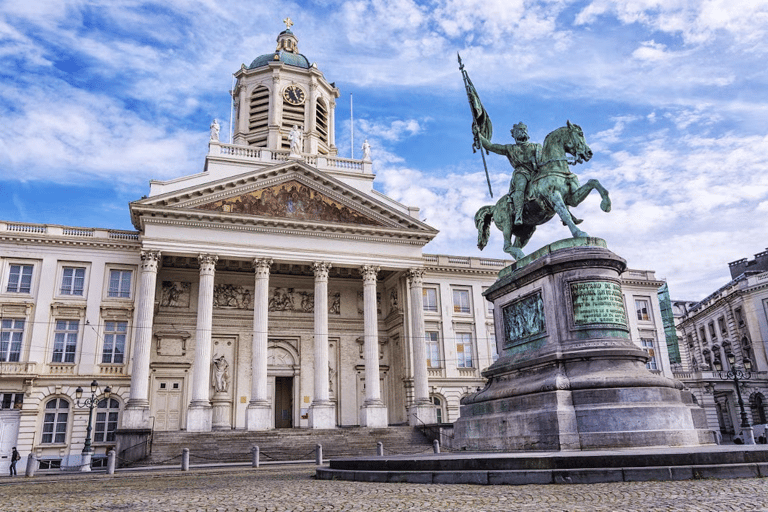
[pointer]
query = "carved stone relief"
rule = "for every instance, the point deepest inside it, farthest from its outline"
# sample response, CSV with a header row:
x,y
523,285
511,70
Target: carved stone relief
x,y
361,303
232,296
300,301
524,318
175,294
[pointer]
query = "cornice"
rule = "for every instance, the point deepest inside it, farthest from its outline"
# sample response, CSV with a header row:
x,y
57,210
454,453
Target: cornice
x,y
77,242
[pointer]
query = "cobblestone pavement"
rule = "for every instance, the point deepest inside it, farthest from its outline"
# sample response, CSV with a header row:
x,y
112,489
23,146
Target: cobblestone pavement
x,y
293,489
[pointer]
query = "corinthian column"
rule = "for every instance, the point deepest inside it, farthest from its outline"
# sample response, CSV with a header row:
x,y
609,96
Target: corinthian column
x,y
421,410
374,412
257,416
321,411
136,413
199,411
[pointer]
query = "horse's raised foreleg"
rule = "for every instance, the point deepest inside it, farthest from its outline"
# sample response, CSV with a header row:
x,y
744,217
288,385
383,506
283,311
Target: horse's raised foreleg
x,y
513,249
558,204
577,196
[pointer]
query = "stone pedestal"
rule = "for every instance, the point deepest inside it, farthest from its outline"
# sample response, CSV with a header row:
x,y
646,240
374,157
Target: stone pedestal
x,y
221,413
258,416
199,418
568,376
322,415
422,413
373,415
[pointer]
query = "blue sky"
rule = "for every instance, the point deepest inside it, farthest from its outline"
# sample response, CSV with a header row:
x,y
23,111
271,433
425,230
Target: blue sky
x,y
97,98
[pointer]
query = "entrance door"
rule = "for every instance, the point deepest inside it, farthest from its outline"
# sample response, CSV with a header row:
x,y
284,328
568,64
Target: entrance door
x,y
9,433
167,403
283,402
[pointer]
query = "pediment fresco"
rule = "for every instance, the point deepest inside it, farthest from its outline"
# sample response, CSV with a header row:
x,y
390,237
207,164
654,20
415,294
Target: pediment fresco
x,y
291,200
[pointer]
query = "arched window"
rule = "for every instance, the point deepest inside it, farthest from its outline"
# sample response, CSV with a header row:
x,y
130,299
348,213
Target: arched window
x,y
55,421
258,117
321,121
757,404
438,407
107,414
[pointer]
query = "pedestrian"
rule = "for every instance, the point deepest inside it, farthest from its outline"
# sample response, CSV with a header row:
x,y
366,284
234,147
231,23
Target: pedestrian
x,y
15,457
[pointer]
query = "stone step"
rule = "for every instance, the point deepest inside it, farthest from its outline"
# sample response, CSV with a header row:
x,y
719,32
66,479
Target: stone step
x,y
284,444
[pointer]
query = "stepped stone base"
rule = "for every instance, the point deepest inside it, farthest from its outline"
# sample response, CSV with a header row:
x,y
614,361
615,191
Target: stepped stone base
x,y
569,377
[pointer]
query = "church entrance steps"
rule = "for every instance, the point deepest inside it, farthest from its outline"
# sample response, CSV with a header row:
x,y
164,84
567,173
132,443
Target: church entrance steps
x,y
284,444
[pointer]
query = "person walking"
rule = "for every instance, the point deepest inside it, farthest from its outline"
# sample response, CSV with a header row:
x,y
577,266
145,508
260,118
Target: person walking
x,y
15,457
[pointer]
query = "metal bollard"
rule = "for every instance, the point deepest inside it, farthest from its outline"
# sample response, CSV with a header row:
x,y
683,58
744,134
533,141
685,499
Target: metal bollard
x,y
319,454
436,446
185,459
380,449
255,456
111,459
31,466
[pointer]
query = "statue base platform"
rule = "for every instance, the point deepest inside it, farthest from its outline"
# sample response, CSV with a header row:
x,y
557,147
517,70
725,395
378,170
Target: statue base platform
x,y
569,377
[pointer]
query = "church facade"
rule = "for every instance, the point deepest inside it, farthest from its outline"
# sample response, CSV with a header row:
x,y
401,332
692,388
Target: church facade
x,y
274,289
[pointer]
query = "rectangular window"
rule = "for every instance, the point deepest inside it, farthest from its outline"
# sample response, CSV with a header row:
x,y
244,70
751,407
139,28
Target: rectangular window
x,y
114,342
433,350
11,335
20,279
648,345
464,350
739,318
65,341
106,420
461,301
712,332
72,280
429,296
721,324
120,284
55,421
643,309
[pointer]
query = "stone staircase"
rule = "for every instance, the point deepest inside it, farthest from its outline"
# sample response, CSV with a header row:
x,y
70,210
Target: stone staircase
x,y
283,444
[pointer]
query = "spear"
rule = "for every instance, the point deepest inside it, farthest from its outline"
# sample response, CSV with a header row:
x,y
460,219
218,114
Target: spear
x,y
472,95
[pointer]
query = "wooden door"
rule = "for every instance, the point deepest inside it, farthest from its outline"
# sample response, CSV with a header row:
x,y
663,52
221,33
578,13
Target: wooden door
x,y
283,402
167,402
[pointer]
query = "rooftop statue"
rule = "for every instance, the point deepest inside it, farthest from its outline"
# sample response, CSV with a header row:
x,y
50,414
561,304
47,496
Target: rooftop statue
x,y
542,184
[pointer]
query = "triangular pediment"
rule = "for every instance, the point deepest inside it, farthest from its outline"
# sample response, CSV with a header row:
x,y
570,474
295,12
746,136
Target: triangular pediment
x,y
290,199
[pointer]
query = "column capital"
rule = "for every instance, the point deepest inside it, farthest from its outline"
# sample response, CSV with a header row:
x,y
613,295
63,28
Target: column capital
x,y
262,266
322,268
370,272
150,260
415,276
207,262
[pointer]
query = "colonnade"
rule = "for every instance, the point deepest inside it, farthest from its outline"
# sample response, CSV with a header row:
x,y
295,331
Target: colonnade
x,y
321,411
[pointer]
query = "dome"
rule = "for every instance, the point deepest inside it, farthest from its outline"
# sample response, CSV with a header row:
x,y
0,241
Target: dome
x,y
292,59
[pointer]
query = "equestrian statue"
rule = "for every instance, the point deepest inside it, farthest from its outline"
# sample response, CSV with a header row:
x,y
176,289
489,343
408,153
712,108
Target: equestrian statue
x,y
542,184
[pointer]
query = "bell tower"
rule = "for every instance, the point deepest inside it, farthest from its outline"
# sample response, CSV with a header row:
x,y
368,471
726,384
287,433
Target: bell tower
x,y
280,90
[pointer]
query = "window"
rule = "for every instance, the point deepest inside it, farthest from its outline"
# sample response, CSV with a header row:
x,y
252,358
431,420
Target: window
x,y
464,350
120,284
55,421
107,413
114,342
429,296
11,400
647,344
49,464
20,279
703,334
712,332
433,350
72,280
461,301
11,334
739,318
643,309
438,408
65,341
721,324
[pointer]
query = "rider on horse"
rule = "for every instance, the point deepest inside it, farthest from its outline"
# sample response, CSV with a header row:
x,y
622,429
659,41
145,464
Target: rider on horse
x,y
524,157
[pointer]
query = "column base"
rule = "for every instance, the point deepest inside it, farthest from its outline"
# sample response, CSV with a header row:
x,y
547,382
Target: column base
x,y
199,418
258,417
421,414
136,418
374,415
322,415
85,461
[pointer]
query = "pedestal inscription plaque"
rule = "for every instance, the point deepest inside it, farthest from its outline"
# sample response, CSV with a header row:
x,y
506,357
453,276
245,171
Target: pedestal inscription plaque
x,y
597,302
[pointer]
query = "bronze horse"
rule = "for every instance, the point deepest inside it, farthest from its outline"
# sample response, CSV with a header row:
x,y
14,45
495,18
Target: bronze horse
x,y
550,192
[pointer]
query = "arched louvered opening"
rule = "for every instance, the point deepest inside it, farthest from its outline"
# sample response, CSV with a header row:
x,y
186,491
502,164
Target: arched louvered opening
x,y
258,120
321,121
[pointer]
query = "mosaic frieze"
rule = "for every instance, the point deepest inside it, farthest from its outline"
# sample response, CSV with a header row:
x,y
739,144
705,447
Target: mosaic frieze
x,y
290,200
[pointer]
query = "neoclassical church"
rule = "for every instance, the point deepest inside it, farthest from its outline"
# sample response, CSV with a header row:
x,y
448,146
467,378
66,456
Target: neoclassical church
x,y
274,289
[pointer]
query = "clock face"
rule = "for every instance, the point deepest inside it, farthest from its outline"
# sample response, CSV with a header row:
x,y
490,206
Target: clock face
x,y
294,95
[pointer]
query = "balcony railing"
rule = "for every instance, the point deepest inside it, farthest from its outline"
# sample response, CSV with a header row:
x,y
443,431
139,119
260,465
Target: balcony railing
x,y
270,156
7,368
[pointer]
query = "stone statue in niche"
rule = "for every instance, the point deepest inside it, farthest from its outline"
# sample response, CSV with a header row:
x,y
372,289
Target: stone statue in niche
x,y
524,318
220,374
175,294
393,303
335,308
232,296
294,139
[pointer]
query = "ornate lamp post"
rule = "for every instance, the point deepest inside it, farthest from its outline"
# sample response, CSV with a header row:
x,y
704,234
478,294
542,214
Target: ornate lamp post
x,y
738,374
90,403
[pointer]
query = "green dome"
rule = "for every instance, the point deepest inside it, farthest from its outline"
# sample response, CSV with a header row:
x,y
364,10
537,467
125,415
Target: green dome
x,y
292,59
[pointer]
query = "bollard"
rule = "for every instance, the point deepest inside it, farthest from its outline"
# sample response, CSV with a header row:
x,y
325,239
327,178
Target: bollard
x,y
111,457
436,446
31,466
255,456
319,454
185,459
380,449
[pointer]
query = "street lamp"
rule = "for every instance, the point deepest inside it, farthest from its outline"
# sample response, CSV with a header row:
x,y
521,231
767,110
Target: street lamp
x,y
90,403
735,374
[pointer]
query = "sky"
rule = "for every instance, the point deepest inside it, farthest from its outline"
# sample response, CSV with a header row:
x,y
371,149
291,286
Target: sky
x,y
97,98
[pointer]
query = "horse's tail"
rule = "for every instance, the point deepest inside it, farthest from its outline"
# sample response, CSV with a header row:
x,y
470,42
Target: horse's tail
x,y
483,219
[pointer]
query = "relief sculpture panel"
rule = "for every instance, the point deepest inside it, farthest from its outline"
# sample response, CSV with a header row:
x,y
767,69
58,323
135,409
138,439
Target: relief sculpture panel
x,y
524,318
295,300
175,294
